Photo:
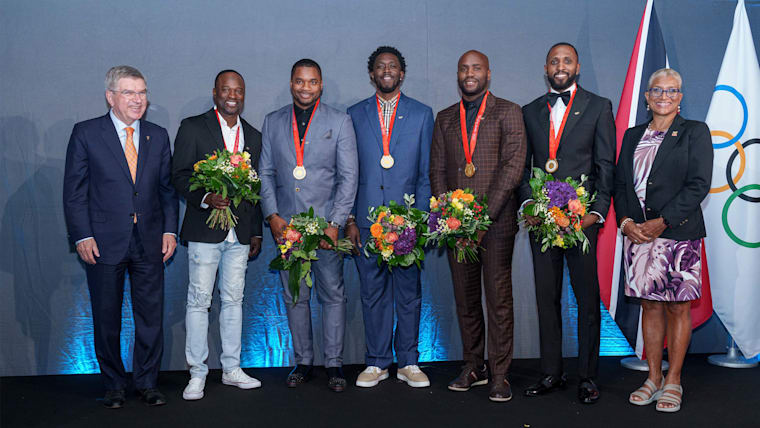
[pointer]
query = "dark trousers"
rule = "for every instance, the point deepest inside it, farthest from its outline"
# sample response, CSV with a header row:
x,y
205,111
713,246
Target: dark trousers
x,y
106,284
496,266
381,291
548,268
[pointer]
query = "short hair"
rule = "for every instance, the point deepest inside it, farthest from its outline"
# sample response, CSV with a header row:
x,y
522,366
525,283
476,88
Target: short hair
x,y
305,62
563,44
229,70
385,49
119,72
667,72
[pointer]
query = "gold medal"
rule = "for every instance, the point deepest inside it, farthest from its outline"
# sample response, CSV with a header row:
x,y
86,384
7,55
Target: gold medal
x,y
551,165
387,161
299,172
469,169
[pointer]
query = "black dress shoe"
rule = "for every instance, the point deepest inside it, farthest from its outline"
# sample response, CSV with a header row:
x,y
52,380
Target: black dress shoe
x,y
152,397
301,373
500,389
336,381
114,399
469,377
588,392
546,385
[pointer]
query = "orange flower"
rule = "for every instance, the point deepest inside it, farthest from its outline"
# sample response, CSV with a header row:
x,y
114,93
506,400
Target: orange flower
x,y
398,220
453,223
381,216
457,194
576,207
376,230
577,226
467,197
391,237
559,217
213,157
379,244
244,166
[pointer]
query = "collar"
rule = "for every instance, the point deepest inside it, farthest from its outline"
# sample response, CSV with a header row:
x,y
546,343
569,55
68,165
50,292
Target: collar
x,y
299,111
390,102
224,122
121,125
469,105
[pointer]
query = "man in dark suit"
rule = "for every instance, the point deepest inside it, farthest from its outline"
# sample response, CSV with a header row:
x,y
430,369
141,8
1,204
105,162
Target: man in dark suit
x,y
405,132
121,212
217,129
582,142
493,170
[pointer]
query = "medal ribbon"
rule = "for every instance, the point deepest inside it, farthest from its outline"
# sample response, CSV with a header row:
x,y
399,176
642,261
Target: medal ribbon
x,y
386,131
237,136
299,144
554,141
470,149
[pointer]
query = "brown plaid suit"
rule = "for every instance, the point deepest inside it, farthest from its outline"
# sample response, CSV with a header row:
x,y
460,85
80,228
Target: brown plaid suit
x,y
499,158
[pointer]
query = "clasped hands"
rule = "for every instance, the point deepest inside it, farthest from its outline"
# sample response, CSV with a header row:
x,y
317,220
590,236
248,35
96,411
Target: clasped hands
x,y
648,231
278,225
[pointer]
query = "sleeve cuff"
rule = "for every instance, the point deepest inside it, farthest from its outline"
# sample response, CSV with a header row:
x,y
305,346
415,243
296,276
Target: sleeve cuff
x,y
83,239
203,204
522,206
601,217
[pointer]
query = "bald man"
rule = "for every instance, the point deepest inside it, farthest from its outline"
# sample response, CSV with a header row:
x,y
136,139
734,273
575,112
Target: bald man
x,y
496,143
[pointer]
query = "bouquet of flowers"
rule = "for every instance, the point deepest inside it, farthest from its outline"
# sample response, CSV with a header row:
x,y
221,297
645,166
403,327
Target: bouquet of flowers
x,y
230,175
561,206
455,219
298,248
398,234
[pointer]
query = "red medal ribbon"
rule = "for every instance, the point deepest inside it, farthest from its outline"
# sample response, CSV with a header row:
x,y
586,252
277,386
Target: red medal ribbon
x,y
554,141
299,144
470,149
237,136
386,130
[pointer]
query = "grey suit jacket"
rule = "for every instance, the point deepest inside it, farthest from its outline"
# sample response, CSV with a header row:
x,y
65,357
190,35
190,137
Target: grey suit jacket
x,y
330,159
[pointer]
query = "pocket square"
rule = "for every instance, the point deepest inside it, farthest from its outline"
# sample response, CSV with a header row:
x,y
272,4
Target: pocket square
x,y
328,134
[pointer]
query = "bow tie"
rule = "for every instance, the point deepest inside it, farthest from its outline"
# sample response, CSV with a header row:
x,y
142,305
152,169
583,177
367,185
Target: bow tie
x,y
564,95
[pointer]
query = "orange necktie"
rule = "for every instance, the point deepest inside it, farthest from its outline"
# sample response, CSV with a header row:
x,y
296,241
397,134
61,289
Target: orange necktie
x,y
131,153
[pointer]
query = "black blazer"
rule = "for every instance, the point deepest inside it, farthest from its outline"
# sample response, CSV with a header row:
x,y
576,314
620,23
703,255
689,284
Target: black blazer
x,y
198,136
587,145
680,179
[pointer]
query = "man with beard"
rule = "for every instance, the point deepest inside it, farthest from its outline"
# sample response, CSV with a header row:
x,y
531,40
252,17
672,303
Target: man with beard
x,y
570,132
208,249
393,134
493,170
308,159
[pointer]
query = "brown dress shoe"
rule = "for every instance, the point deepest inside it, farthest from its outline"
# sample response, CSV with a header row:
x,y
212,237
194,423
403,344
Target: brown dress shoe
x,y
469,377
500,389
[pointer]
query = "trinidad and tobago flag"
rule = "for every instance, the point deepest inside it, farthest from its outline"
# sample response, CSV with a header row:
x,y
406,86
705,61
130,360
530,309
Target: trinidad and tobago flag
x,y
647,57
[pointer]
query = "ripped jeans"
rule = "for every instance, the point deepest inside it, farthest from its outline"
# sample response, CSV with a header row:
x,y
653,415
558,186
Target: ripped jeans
x,y
203,259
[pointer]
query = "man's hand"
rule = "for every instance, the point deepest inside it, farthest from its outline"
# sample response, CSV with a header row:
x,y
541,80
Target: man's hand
x,y
352,232
589,219
88,250
168,246
255,247
216,200
653,228
529,219
278,224
332,233
633,232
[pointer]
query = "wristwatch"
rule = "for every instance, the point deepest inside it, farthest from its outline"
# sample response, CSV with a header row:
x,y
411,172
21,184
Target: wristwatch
x,y
333,224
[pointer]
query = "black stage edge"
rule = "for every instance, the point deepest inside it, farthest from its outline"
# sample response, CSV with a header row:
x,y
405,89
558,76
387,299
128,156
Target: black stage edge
x,y
714,397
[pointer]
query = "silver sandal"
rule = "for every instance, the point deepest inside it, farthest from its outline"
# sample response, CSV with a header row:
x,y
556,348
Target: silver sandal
x,y
670,398
647,393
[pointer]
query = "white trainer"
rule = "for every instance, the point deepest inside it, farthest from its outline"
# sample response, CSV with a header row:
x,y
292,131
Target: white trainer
x,y
371,376
413,376
194,388
238,378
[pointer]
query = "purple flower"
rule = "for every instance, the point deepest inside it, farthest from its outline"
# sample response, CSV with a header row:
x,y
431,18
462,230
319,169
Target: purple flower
x,y
559,193
406,241
433,221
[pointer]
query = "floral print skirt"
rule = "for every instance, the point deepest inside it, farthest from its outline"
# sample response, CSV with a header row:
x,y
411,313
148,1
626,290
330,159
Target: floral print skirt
x,y
664,270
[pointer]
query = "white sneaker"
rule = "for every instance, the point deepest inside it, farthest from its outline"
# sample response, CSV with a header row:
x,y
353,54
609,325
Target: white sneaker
x,y
371,376
194,388
413,376
238,378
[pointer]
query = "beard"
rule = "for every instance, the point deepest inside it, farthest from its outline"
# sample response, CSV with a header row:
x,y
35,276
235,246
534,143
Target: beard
x,y
387,89
561,86
478,89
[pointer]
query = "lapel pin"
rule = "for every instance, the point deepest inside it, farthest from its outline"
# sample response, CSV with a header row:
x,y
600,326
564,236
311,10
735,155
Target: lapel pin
x,y
675,133
577,113
401,117
147,138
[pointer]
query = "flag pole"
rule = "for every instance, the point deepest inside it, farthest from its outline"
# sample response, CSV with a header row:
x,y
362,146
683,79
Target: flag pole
x,y
733,359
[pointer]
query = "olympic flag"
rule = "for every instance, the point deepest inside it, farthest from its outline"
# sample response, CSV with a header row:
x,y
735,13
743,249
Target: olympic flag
x,y
732,209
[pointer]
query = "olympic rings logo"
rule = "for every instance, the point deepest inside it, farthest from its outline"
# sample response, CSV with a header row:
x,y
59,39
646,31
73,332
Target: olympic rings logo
x,y
734,140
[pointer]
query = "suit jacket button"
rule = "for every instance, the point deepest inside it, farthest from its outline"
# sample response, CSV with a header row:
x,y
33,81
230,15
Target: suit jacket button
x,y
298,189
649,209
381,187
135,193
650,183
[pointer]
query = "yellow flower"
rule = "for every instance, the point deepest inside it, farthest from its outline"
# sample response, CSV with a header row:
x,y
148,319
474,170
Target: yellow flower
x,y
580,191
288,244
559,242
246,155
387,252
283,249
456,204
433,202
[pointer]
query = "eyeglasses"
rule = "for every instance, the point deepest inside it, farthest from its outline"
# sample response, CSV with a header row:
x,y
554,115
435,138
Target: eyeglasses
x,y
656,92
131,94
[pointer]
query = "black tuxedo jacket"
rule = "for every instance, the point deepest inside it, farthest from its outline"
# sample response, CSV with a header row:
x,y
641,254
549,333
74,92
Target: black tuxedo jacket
x,y
680,179
587,145
198,136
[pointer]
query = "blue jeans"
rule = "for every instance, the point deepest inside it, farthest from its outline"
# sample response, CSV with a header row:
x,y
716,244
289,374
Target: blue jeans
x,y
232,260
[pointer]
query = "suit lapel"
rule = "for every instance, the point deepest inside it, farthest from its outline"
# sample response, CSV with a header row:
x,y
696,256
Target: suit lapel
x,y
287,131
142,152
370,109
636,135
580,102
402,113
543,123
111,139
675,132
212,123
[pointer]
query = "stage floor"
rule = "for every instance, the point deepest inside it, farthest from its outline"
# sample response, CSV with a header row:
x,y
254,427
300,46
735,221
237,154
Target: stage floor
x,y
714,397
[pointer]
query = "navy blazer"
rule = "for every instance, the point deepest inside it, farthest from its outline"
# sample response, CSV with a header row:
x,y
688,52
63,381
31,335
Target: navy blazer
x,y
679,181
409,146
99,197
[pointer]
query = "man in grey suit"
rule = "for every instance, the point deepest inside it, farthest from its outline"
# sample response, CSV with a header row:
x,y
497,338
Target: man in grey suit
x,y
309,159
